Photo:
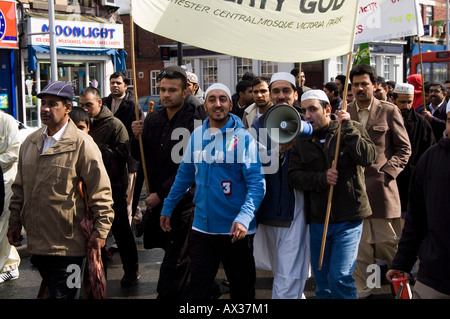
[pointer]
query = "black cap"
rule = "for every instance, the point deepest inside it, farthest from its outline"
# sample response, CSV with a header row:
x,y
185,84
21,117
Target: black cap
x,y
57,88
174,68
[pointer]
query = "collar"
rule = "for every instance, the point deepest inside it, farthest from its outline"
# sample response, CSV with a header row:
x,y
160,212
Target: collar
x,y
359,109
121,97
57,136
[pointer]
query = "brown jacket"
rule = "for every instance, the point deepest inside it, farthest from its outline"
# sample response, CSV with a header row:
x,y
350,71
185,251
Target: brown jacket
x,y
45,197
386,129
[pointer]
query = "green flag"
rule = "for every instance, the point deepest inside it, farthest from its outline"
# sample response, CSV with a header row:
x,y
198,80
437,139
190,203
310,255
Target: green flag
x,y
362,55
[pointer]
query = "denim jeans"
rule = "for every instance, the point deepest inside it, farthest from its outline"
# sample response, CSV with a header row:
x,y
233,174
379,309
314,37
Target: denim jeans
x,y
335,279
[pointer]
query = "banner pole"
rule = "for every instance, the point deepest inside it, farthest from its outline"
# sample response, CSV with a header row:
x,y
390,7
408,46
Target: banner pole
x,y
334,165
136,104
421,74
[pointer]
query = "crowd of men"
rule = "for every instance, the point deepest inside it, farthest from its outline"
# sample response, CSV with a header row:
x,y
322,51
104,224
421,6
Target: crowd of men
x,y
222,191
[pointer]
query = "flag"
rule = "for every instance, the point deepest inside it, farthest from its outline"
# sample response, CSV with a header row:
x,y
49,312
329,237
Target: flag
x,y
386,19
362,55
279,31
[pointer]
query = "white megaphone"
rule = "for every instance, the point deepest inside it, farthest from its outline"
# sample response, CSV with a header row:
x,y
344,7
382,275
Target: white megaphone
x,y
285,120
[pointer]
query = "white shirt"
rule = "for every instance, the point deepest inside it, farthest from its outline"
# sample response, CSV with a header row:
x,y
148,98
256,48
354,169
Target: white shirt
x,y
49,141
434,109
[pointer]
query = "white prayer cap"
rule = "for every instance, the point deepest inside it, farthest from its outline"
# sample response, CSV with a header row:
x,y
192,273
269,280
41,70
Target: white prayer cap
x,y
218,86
315,95
404,88
284,76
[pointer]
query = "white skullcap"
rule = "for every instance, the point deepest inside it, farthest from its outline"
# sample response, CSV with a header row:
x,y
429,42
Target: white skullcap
x,y
315,95
218,86
404,88
448,107
284,76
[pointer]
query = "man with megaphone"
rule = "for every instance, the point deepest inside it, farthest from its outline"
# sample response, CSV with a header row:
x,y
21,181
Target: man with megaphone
x,y
311,171
282,239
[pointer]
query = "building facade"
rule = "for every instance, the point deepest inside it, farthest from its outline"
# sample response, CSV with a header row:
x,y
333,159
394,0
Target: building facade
x,y
89,42
8,57
94,40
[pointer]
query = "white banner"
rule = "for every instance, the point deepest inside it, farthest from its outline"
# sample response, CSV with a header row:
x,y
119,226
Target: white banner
x,y
269,30
387,19
74,33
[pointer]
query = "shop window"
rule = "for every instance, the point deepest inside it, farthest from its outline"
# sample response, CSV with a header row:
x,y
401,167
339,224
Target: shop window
x,y
80,74
209,67
190,65
243,65
268,68
153,85
340,65
387,67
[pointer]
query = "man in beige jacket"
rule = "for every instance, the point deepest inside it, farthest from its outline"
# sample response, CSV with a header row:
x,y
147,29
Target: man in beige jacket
x,y
52,162
384,124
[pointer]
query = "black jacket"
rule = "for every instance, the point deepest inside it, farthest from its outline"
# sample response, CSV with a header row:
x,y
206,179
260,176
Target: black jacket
x,y
127,114
112,138
439,119
421,137
277,207
309,161
161,165
427,221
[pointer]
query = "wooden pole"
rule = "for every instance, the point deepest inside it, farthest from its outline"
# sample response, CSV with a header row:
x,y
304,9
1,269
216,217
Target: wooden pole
x,y
422,75
334,165
136,104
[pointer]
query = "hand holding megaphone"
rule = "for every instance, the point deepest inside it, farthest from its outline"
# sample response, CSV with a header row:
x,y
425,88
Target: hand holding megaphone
x,y
287,122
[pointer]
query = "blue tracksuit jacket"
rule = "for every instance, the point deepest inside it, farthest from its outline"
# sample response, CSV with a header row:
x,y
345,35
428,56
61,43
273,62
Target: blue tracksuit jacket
x,y
227,172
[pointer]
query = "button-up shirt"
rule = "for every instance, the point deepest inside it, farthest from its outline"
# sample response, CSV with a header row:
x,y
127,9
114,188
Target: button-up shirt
x,y
363,114
49,141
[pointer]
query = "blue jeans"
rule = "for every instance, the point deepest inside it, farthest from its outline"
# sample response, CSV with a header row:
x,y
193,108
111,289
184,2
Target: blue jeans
x,y
335,279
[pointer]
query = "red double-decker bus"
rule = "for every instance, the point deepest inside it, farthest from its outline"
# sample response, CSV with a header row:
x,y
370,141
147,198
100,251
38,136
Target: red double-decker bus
x,y
435,65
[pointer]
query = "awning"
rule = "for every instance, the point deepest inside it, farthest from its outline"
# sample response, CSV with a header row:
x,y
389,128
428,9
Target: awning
x,y
118,56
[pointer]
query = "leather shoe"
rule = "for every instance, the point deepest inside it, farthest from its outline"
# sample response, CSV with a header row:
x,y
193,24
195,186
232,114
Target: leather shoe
x,y
129,279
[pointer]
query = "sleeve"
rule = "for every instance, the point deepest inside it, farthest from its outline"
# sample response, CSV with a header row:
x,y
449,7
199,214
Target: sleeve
x,y
268,150
300,176
401,148
416,222
2,192
11,143
184,179
255,181
359,144
98,187
17,198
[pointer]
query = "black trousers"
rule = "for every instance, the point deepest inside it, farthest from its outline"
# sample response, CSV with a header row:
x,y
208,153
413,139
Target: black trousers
x,y
174,271
124,236
207,252
59,274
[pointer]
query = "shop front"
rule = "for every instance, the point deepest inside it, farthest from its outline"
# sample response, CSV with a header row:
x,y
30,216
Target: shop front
x,y
88,51
8,48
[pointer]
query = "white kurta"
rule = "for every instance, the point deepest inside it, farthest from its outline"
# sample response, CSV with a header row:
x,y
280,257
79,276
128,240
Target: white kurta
x,y
9,153
285,252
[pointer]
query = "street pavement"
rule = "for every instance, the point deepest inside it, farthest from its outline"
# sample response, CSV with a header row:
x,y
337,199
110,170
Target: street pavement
x,y
28,283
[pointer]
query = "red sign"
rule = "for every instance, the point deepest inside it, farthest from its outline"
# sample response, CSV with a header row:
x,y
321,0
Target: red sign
x,y
8,25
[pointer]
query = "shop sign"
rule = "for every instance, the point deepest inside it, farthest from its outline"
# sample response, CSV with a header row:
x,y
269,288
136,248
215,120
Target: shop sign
x,y
8,25
70,33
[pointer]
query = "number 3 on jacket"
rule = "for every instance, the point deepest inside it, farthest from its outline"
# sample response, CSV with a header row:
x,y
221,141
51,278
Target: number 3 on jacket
x,y
226,188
